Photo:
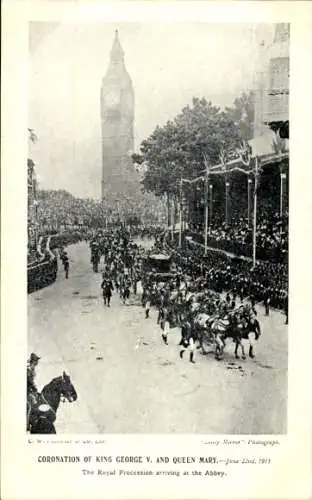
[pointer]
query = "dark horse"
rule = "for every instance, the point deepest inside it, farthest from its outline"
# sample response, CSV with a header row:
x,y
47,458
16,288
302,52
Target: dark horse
x,y
125,293
238,331
42,415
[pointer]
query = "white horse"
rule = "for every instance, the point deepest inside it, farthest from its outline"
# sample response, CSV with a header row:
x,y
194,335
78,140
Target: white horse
x,y
201,324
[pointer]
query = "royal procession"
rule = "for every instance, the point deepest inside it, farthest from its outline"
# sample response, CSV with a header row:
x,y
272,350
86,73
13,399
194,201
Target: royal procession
x,y
161,304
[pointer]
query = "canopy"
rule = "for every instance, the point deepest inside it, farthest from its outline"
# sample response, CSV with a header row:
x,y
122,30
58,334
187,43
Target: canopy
x,y
159,256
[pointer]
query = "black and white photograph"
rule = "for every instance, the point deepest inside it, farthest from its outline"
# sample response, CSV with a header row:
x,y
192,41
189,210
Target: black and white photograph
x,y
158,202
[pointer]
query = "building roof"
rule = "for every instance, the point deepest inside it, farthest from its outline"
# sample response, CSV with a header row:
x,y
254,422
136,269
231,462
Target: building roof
x,y
117,52
160,257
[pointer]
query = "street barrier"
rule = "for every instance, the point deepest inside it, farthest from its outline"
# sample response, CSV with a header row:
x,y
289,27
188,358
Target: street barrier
x,y
43,272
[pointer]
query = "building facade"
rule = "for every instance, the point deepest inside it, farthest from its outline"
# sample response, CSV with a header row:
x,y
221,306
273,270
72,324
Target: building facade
x,y
276,98
117,120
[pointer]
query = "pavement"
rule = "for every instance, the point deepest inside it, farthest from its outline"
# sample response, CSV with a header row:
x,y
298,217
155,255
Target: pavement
x,y
128,381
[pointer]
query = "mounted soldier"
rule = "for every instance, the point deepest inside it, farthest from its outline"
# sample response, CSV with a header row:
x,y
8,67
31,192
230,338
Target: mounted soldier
x,y
32,391
31,374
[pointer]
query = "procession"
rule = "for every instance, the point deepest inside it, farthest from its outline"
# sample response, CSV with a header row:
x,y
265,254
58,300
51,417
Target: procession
x,y
201,325
162,305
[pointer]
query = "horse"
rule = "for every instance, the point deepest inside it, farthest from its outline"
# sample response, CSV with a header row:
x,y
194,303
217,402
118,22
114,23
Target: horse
x,y
238,330
176,305
201,325
42,415
246,331
218,329
125,293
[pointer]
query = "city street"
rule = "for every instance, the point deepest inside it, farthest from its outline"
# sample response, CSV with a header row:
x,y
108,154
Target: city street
x,y
128,381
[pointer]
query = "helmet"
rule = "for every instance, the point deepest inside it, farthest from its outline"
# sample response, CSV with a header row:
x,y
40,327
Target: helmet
x,y
33,357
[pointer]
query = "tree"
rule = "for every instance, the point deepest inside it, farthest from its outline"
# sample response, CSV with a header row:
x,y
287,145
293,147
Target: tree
x,y
209,130
178,148
242,114
159,152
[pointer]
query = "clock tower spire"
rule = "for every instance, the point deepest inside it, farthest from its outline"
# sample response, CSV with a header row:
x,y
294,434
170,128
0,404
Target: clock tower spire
x,y
117,52
117,117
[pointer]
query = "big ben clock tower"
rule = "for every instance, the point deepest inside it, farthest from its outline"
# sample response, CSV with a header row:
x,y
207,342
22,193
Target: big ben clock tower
x,y
117,116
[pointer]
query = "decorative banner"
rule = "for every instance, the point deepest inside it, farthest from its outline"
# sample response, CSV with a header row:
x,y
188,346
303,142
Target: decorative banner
x,y
263,144
245,153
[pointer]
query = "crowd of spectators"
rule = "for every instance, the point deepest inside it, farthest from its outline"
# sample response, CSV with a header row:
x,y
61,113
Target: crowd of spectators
x,y
236,237
225,273
73,219
68,219
59,211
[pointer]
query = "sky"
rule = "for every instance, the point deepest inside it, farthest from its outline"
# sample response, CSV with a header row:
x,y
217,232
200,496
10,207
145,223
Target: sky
x,y
168,63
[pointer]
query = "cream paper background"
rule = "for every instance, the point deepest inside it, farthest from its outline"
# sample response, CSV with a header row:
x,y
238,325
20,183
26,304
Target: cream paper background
x,y
289,475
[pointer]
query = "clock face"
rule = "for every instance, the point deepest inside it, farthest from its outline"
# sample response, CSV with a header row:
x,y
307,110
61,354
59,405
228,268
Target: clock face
x,y
112,99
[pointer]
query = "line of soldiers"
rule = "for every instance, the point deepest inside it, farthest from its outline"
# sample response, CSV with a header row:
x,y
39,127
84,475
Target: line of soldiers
x,y
122,266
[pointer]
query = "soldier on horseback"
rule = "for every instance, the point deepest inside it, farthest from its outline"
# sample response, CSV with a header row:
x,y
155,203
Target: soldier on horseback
x,y
32,391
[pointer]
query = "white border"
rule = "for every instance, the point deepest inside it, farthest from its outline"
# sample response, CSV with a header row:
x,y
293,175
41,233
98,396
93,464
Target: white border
x,y
290,476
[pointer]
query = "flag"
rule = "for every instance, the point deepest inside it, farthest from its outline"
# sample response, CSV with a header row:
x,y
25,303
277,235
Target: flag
x,y
263,144
245,153
32,135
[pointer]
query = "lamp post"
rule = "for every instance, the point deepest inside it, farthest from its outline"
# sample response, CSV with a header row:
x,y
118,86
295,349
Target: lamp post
x,y
254,238
283,179
197,206
249,200
168,211
36,219
206,207
211,202
227,185
181,208
172,218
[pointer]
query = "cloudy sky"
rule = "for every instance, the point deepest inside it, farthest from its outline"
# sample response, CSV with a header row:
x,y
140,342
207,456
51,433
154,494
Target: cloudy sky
x,y
168,63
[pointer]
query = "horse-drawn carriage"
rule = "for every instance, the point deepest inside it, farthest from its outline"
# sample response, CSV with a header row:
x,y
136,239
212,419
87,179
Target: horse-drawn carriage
x,y
159,268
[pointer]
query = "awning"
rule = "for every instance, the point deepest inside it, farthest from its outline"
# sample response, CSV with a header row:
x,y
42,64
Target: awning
x,y
159,256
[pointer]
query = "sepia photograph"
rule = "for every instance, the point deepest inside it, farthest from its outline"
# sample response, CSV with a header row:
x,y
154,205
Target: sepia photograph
x,y
158,209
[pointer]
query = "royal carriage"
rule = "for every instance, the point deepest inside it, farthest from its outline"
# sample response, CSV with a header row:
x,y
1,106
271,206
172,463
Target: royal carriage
x,y
158,267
